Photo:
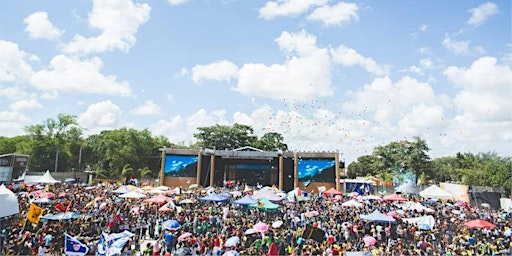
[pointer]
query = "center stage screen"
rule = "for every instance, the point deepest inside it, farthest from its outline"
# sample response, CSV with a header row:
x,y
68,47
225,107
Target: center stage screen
x,y
316,170
180,166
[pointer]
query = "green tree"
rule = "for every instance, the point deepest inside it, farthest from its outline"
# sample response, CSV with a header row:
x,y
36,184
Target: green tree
x,y
50,143
225,137
363,167
271,141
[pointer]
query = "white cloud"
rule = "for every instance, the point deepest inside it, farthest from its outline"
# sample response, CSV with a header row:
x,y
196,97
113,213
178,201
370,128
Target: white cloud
x,y
39,27
421,119
305,74
423,27
456,47
486,89
177,2
349,57
480,14
426,63
148,108
273,9
14,66
425,50
100,116
25,105
220,71
73,75
118,21
12,123
340,14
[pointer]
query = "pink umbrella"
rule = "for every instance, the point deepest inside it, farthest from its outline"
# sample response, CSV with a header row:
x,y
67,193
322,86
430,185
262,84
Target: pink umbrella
x,y
391,213
184,236
369,240
260,227
103,205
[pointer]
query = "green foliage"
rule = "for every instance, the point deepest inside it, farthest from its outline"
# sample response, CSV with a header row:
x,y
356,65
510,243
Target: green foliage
x,y
231,137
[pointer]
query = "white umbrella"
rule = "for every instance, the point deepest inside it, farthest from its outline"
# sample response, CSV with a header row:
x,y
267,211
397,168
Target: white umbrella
x,y
277,224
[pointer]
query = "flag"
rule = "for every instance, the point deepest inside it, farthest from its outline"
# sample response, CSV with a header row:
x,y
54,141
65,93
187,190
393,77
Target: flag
x,y
73,247
101,249
91,203
60,207
117,246
34,213
313,233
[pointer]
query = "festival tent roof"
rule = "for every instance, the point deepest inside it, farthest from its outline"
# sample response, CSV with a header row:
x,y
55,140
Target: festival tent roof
x,y
394,197
352,203
332,191
212,198
377,216
479,224
9,202
159,199
246,200
46,179
132,194
121,190
435,192
426,222
268,194
264,204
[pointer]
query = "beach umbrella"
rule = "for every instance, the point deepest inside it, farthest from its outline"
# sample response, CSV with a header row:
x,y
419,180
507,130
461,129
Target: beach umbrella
x,y
232,241
277,224
184,236
391,214
250,231
369,240
260,227
479,224
172,225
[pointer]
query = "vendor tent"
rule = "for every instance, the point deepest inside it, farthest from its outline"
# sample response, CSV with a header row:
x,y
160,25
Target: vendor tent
x,y
426,222
9,202
268,194
264,204
377,216
212,198
246,200
132,194
121,190
394,197
159,199
332,191
435,192
46,179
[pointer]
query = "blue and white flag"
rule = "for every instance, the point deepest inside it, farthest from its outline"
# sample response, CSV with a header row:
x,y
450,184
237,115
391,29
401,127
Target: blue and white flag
x,y
117,246
102,247
73,247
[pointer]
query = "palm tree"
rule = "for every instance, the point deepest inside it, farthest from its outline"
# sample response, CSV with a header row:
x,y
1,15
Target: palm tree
x,y
127,171
144,172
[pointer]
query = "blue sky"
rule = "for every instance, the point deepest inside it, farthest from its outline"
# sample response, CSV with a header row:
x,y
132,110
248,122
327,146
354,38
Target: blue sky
x,y
328,75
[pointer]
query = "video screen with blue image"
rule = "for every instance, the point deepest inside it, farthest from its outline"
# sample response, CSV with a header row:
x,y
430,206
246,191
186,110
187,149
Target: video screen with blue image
x,y
180,166
316,170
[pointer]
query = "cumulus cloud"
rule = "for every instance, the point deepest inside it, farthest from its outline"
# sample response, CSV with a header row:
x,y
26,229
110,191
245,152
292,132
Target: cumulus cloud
x,y
70,74
39,27
12,123
486,89
456,47
273,9
480,14
100,116
14,63
305,73
220,71
118,21
25,105
349,57
148,108
337,15
177,2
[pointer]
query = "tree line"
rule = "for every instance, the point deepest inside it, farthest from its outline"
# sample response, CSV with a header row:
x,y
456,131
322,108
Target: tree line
x,y
59,144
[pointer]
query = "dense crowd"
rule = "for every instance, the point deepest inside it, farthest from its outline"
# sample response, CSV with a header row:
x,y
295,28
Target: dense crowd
x,y
211,224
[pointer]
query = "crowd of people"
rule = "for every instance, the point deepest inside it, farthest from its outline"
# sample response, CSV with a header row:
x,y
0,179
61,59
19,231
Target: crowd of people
x,y
210,225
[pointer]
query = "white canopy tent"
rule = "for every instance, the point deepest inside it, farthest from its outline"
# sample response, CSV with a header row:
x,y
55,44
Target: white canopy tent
x,y
46,179
9,202
435,192
133,194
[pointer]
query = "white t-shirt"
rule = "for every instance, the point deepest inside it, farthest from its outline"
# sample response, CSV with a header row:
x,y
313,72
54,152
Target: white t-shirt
x,y
41,251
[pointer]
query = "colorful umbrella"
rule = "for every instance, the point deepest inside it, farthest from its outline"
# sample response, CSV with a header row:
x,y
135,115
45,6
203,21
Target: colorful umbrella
x,y
369,240
250,231
479,224
184,236
172,225
232,241
260,227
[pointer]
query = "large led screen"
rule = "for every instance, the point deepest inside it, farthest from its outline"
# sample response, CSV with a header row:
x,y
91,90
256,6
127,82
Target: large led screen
x,y
316,170
180,166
